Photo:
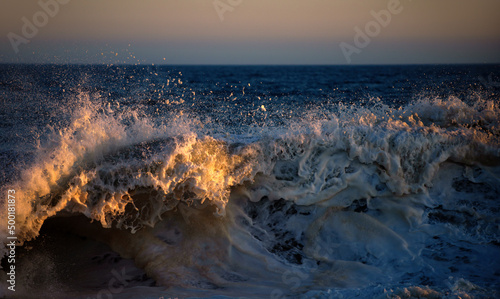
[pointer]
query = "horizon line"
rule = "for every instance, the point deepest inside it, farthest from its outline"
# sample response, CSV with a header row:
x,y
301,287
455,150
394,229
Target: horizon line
x,y
257,64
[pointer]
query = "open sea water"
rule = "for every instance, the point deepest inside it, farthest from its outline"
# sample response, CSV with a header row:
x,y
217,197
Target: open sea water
x,y
251,181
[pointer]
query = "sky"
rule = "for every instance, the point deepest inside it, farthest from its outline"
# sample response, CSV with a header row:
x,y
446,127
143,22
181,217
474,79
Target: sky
x,y
250,31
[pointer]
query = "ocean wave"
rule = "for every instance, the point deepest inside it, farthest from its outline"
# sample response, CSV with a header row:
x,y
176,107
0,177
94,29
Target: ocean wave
x,y
122,169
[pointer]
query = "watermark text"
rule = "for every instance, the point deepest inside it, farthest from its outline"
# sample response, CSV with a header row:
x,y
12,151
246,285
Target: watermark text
x,y
30,27
11,239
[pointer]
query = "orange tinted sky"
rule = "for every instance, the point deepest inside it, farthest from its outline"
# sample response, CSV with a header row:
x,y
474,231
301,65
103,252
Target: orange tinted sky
x,y
252,32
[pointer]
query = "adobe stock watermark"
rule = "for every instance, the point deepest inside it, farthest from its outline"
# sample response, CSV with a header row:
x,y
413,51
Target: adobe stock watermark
x,y
362,38
223,6
115,285
491,82
49,9
294,279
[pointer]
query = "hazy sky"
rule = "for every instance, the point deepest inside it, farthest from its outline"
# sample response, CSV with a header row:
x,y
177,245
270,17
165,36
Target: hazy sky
x,y
250,31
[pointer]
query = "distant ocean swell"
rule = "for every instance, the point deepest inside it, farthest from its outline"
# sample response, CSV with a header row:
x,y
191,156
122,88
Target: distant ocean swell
x,y
357,197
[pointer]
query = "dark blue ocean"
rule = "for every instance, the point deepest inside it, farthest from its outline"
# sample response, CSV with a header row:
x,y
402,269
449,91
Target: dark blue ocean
x,y
252,181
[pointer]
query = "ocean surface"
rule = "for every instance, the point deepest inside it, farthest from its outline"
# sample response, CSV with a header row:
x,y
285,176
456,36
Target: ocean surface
x,y
251,181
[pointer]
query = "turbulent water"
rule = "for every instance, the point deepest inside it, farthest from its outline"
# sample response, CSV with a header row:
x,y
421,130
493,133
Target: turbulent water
x,y
254,182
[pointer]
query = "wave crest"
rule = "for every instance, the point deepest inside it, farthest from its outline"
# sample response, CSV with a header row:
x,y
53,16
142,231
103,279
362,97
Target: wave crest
x,y
124,169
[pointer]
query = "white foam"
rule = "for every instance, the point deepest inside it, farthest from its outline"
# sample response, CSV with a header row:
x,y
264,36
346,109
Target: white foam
x,y
128,171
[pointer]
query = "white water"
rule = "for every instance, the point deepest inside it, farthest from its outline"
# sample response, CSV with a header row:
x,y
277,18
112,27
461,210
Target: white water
x,y
369,200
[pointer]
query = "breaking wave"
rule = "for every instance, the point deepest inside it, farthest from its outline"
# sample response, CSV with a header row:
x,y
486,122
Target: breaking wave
x,y
354,195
